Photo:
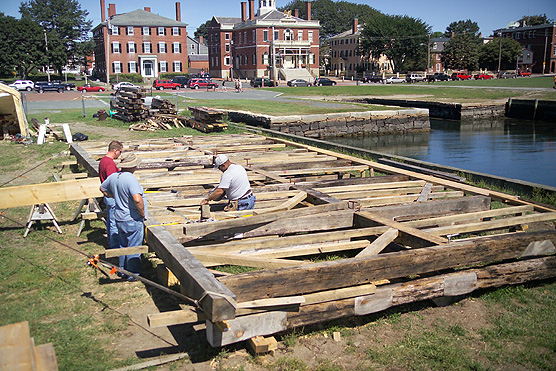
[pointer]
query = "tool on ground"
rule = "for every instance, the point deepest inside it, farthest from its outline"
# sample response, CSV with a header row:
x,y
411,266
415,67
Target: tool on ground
x,y
93,262
177,212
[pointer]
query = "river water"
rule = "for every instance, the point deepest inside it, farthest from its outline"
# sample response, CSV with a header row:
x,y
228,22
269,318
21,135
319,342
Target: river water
x,y
506,147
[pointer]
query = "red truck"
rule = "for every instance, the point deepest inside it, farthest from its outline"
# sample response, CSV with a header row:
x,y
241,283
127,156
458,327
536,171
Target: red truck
x,y
460,76
166,84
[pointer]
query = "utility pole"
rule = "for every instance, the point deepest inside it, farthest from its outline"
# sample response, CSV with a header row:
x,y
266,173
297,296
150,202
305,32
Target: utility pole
x,y
429,54
544,59
500,53
108,52
273,53
47,58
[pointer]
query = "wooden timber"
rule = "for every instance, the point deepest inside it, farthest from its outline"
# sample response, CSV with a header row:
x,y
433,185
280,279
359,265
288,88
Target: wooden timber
x,y
401,227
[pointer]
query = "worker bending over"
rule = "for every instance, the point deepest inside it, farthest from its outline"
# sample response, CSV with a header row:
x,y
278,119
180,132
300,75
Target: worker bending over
x,y
234,184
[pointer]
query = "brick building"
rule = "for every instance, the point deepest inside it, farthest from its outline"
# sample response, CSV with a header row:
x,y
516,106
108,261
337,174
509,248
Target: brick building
x,y
266,44
197,54
436,48
139,42
345,59
539,46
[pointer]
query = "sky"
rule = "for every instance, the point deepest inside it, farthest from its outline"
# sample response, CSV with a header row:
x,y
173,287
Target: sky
x,y
489,14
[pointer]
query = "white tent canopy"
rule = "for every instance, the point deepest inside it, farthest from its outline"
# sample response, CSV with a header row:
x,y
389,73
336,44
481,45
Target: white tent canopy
x,y
11,110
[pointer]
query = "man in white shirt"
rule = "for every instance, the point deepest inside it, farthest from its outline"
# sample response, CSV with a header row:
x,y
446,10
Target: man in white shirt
x,y
234,184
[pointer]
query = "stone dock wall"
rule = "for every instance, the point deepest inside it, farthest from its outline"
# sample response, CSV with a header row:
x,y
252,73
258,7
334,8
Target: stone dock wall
x,y
450,111
340,124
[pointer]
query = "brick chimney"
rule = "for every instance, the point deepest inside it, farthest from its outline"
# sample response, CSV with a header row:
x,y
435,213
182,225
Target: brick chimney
x,y
354,25
148,9
178,11
111,10
296,13
251,9
243,11
308,9
201,39
102,11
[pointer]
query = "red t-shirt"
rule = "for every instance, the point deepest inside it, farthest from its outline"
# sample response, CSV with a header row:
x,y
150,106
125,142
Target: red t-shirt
x,y
106,167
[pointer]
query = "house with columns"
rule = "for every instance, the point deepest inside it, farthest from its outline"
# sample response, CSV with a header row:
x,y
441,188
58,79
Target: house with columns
x,y
267,43
139,42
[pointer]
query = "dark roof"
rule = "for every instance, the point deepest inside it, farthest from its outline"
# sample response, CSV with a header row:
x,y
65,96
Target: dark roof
x,y
198,57
227,20
141,17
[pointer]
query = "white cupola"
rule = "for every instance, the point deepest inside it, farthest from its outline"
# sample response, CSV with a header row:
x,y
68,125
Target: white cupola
x,y
266,6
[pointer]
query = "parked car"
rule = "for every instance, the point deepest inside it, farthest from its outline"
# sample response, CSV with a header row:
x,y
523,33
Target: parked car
x,y
182,80
394,80
438,76
414,77
89,87
42,86
166,84
507,75
524,73
483,76
322,81
461,76
298,82
66,85
122,84
372,78
23,85
201,83
262,81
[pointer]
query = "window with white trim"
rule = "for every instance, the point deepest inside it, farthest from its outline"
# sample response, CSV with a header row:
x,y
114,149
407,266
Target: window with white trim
x,y
176,48
161,31
254,59
288,35
227,61
117,66
146,47
227,36
131,47
161,47
132,67
227,47
276,35
115,30
116,47
177,66
175,31
265,58
163,66
265,35
310,35
146,31
130,30
300,35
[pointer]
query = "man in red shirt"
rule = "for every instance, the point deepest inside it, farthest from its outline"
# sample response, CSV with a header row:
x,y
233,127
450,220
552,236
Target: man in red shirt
x,y
106,167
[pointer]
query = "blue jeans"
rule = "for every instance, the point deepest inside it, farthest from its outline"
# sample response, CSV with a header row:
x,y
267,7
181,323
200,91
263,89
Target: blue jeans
x,y
247,203
111,229
131,233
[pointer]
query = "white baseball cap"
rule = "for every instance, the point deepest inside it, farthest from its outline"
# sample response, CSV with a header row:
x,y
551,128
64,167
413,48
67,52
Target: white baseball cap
x,y
219,160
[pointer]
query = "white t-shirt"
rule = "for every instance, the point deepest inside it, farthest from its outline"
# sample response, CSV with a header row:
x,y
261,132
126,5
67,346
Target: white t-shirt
x,y
235,182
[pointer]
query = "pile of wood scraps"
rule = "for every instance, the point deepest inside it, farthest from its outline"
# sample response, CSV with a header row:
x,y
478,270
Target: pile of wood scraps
x,y
19,352
159,105
160,122
207,119
129,104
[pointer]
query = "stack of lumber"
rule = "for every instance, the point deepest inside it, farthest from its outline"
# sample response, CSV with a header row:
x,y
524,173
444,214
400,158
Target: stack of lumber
x,y
160,122
19,352
206,119
129,105
9,124
163,106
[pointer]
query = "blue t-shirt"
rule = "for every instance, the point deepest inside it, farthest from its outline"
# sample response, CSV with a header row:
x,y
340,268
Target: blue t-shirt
x,y
123,185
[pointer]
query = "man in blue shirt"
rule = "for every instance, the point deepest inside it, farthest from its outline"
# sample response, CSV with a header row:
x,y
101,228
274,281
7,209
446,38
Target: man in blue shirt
x,y
130,210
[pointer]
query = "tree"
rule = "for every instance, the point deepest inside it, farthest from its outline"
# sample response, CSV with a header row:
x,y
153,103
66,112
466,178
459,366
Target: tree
x,y
467,27
334,17
81,52
401,38
65,24
22,44
507,49
535,20
202,30
461,53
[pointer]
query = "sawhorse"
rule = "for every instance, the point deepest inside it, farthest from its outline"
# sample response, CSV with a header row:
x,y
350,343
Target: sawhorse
x,y
38,213
92,207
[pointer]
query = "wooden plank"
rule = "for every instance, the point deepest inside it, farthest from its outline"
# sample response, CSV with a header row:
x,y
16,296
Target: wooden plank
x,y
337,274
362,193
492,224
288,205
112,253
409,232
45,357
210,260
374,187
274,302
16,347
218,302
35,194
339,294
171,318
380,243
424,196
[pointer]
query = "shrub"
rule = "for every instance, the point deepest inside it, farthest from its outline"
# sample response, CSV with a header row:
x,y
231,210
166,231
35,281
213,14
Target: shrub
x,y
129,77
171,75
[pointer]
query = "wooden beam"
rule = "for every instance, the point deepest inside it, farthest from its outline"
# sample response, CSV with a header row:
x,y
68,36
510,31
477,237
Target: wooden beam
x,y
343,273
410,234
288,205
16,347
210,260
217,301
274,302
35,194
112,253
380,243
424,196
